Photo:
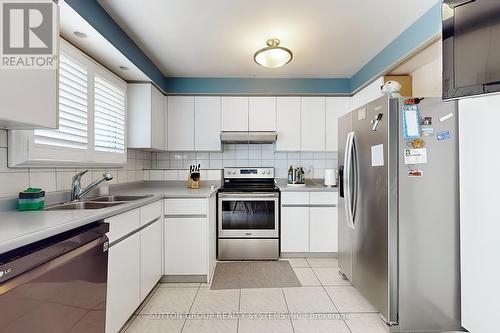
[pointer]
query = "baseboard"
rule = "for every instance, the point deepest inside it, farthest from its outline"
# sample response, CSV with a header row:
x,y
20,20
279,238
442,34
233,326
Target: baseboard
x,y
184,278
309,254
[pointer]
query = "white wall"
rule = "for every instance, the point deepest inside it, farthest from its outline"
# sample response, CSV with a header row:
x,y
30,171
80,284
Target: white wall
x,y
480,213
427,80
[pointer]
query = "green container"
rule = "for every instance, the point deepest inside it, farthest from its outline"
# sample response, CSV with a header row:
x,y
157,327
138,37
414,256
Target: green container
x,y
31,199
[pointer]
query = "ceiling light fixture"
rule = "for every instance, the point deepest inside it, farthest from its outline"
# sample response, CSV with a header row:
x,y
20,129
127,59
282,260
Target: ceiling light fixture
x,y
80,34
125,68
273,56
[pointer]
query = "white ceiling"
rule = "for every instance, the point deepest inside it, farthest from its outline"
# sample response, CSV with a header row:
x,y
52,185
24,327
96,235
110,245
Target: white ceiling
x,y
95,45
217,38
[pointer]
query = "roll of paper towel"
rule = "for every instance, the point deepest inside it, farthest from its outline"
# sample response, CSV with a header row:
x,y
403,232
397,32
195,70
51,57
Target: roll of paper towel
x,y
330,177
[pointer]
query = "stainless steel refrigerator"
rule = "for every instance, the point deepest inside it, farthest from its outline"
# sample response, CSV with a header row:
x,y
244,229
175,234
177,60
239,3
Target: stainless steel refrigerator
x,y
399,211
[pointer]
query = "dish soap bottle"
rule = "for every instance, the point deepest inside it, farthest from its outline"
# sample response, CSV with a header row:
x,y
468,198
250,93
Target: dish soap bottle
x,y
290,175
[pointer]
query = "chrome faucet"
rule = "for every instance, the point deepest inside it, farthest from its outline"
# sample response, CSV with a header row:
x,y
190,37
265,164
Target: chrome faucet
x,y
76,187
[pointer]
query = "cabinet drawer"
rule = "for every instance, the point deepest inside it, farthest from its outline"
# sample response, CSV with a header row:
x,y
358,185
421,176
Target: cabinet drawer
x,y
121,225
295,198
150,212
323,198
185,206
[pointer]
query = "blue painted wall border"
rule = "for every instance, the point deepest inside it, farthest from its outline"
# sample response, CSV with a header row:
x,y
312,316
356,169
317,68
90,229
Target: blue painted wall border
x,y
427,27
424,29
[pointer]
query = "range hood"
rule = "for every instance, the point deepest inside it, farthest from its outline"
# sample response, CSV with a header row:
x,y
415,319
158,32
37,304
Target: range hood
x,y
248,137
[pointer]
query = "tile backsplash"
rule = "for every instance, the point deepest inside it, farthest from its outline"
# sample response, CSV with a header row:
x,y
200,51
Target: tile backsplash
x,y
13,180
248,155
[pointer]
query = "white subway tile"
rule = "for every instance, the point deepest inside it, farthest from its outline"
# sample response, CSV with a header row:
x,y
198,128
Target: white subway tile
x,y
267,163
188,156
163,164
170,174
156,175
131,176
254,154
214,175
122,176
215,164
13,183
216,156
241,154
267,155
146,174
183,175
255,163
3,138
202,156
319,156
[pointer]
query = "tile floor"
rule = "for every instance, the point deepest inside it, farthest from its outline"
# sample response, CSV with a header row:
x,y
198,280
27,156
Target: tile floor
x,y
314,307
324,304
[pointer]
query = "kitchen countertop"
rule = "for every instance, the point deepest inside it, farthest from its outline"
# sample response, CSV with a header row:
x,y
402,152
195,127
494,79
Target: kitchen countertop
x,y
21,228
310,186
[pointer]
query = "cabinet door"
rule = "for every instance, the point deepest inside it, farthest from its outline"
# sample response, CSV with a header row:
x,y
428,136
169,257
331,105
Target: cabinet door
x,y
186,246
207,123
295,229
151,256
180,130
335,108
323,229
312,131
288,123
157,119
262,114
234,113
124,280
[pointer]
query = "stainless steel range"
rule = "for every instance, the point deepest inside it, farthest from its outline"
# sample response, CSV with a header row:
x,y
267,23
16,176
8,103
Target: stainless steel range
x,y
248,215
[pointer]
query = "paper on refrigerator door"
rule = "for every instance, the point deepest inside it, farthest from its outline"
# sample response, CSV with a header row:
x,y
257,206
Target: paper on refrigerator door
x,y
416,156
378,155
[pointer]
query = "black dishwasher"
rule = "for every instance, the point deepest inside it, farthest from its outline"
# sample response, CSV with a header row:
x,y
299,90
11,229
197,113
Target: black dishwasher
x,y
57,284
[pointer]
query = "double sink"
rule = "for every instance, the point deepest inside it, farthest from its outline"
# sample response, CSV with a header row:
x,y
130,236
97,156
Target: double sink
x,y
97,202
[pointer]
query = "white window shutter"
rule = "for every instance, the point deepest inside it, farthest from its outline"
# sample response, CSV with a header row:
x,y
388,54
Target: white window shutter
x,y
73,107
109,116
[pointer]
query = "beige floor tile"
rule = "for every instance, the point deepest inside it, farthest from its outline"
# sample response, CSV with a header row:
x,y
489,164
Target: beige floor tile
x,y
170,300
319,325
212,301
330,276
306,276
262,300
150,324
297,262
265,325
363,323
211,326
179,285
308,300
348,299
323,262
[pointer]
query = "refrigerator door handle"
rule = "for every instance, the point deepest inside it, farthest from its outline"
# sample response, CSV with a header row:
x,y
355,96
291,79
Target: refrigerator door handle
x,y
355,175
347,178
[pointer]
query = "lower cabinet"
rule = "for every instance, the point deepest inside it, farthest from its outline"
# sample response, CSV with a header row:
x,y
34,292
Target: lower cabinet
x,y
134,261
295,229
186,246
323,229
309,222
124,281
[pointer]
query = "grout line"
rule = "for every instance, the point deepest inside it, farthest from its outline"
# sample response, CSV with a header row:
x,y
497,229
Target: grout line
x,y
190,308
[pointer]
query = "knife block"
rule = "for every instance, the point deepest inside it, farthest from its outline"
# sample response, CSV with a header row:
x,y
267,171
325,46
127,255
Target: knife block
x,y
193,180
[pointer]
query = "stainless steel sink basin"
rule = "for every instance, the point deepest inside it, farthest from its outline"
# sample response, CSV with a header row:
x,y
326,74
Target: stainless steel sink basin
x,y
82,205
118,198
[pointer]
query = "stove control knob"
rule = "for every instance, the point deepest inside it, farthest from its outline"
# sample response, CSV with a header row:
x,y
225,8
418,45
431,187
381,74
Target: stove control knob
x,y
262,172
268,172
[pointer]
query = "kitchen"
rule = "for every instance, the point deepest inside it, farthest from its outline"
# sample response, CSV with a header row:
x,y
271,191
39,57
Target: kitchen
x,y
166,174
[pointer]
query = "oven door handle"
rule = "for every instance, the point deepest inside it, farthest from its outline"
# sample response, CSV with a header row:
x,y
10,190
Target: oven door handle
x,y
248,196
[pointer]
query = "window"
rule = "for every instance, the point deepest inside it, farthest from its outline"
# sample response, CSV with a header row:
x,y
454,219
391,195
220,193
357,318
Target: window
x,y
72,132
109,116
92,119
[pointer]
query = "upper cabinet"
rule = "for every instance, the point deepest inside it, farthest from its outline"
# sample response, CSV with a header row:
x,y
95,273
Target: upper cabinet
x,y
207,119
335,108
368,94
288,123
146,111
312,124
180,122
234,113
29,97
262,114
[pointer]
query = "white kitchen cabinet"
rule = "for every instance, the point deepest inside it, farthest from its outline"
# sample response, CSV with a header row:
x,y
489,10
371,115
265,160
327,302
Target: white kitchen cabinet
x,y
180,132
369,93
186,246
335,108
124,281
312,124
151,257
262,113
29,97
234,113
146,113
288,123
294,229
207,117
323,229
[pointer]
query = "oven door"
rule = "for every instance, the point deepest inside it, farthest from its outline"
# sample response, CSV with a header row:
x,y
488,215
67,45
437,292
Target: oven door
x,y
248,215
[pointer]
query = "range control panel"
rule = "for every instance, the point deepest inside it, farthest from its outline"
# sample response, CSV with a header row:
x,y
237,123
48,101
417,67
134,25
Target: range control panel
x,y
248,172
